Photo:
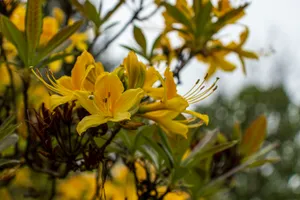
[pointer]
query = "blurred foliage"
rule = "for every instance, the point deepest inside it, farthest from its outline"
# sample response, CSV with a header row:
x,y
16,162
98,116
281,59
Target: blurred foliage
x,y
272,181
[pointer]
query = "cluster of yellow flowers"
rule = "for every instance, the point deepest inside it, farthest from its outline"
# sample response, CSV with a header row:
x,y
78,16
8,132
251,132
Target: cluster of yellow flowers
x,y
51,26
130,90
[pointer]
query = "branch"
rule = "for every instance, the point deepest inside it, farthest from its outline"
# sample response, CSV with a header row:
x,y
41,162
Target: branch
x,y
131,20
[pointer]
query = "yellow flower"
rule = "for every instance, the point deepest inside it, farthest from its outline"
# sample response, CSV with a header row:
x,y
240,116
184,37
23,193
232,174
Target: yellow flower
x,y
171,105
108,103
135,70
50,28
83,77
18,17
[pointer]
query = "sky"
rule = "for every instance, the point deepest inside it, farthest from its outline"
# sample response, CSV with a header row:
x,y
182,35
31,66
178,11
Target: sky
x,y
274,33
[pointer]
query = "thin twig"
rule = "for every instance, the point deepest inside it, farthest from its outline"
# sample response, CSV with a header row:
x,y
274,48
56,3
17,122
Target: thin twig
x,y
130,21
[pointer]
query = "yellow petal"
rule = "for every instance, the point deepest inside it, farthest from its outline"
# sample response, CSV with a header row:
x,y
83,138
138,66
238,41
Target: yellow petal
x,y
170,84
89,122
165,120
65,81
56,100
86,100
203,117
151,77
108,89
120,116
78,72
135,70
128,100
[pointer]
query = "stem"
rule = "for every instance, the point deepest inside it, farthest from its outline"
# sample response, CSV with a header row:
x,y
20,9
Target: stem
x,y
53,188
12,87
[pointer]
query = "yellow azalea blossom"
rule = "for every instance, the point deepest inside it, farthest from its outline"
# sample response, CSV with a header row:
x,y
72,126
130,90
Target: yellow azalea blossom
x,y
171,105
139,76
108,103
50,28
83,77
18,17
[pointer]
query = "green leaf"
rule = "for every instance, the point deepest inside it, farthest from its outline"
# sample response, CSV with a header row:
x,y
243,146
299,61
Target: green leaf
x,y
205,153
208,140
89,11
155,44
166,146
58,39
140,38
92,14
7,127
259,163
33,27
222,21
112,11
53,59
203,19
8,141
15,36
134,50
179,16
253,137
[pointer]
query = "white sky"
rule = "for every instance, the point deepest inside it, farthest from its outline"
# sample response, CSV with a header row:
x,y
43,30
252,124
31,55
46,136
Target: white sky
x,y
274,24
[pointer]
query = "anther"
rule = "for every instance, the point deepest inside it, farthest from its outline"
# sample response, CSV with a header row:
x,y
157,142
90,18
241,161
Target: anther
x,y
91,97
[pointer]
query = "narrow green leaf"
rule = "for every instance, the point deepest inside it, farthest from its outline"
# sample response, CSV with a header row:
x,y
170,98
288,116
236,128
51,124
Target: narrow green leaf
x,y
8,141
134,50
179,16
33,27
222,21
89,11
15,36
7,127
140,38
166,146
58,39
92,14
54,58
207,141
203,19
155,44
205,153
112,11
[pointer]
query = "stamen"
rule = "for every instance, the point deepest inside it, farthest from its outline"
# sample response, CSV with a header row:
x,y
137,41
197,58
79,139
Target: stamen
x,y
204,96
200,96
91,97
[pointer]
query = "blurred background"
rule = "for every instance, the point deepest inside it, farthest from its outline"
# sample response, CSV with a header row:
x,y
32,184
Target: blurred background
x,y
270,87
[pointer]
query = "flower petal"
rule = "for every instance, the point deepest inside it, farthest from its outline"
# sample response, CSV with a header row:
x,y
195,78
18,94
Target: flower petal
x,y
56,100
203,117
78,72
65,81
120,116
128,100
108,89
89,122
86,102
